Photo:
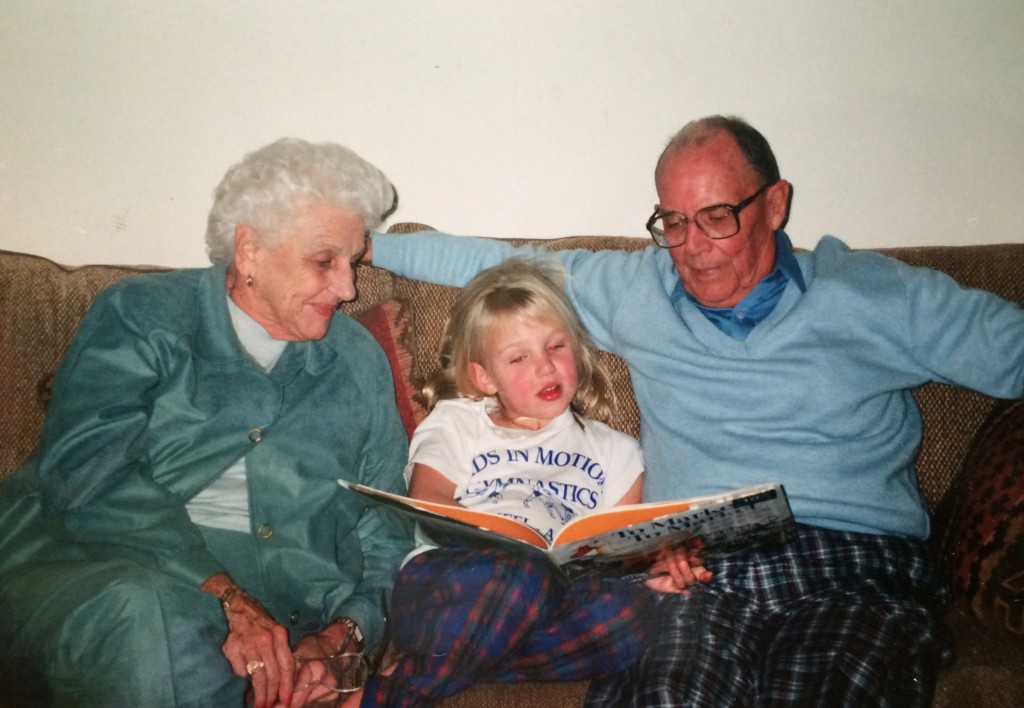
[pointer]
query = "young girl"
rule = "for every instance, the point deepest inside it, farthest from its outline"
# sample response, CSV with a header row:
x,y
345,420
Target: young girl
x,y
514,430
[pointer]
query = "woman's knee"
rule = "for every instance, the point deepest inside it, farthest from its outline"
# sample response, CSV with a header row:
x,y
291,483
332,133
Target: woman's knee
x,y
126,594
135,630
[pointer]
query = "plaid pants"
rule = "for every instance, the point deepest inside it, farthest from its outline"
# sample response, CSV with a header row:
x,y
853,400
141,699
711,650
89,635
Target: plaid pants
x,y
464,616
829,619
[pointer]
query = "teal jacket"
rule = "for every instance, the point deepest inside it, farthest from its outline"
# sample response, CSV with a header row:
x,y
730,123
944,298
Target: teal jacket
x,y
155,398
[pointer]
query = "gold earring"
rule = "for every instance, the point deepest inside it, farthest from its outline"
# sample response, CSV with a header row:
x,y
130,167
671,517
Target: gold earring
x,y
248,280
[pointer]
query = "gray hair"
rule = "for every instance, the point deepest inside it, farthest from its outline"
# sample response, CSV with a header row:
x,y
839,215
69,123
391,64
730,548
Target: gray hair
x,y
262,188
752,144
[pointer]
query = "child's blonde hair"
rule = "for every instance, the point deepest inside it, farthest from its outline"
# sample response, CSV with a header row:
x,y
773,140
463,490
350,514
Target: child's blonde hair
x,y
516,287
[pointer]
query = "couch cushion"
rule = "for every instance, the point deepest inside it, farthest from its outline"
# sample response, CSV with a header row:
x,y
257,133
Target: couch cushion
x,y
390,323
984,547
42,303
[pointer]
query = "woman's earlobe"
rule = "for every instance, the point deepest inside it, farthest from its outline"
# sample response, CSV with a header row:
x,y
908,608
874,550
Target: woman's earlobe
x,y
246,244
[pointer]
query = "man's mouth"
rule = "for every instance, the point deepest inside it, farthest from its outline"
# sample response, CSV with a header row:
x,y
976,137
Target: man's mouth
x,y
703,272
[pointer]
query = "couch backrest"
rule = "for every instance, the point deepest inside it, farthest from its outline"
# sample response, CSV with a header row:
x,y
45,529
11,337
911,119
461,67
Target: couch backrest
x,y
42,302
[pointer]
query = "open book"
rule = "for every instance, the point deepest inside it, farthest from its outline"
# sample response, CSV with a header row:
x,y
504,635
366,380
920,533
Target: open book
x,y
624,539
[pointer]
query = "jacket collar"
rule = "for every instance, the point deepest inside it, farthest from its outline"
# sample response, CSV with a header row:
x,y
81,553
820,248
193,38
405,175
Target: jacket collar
x,y
216,340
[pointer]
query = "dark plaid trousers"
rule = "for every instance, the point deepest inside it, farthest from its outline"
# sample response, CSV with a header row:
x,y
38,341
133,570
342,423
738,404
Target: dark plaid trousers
x,y
464,616
828,619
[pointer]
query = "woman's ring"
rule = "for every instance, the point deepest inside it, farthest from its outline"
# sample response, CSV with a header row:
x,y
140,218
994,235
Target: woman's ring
x,y
253,666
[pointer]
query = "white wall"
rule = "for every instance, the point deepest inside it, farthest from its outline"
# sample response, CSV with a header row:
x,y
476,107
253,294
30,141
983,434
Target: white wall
x,y
897,122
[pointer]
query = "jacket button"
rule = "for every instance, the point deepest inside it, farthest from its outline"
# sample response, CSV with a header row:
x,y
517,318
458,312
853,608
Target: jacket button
x,y
294,617
255,435
265,531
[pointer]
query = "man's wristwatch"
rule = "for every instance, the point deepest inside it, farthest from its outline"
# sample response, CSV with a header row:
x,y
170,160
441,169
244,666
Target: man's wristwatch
x,y
354,633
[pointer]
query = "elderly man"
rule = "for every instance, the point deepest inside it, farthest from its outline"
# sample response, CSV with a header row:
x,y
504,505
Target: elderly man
x,y
751,363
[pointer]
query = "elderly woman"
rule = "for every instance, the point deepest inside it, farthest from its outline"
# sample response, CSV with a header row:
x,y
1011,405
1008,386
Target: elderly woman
x,y
178,536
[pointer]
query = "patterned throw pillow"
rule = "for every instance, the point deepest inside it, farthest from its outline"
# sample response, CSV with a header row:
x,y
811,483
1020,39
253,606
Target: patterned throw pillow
x,y
390,323
985,547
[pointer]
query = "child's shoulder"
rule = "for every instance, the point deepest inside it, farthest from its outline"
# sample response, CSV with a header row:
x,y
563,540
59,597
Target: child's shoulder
x,y
449,410
458,405
597,429
450,420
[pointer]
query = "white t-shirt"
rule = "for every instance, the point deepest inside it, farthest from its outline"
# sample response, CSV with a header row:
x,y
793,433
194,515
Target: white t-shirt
x,y
543,477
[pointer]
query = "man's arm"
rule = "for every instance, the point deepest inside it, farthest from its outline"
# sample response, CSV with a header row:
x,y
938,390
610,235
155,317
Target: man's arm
x,y
968,337
597,282
441,258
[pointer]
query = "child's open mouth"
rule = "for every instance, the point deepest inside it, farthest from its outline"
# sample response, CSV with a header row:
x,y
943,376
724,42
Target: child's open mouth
x,y
551,393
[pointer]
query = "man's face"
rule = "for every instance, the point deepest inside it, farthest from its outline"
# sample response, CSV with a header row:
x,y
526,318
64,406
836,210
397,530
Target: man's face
x,y
719,273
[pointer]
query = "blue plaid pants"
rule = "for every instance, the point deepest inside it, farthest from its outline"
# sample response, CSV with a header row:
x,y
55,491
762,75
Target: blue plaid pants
x,y
829,619
464,616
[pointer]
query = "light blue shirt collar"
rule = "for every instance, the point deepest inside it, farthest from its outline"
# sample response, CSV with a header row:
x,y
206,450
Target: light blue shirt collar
x,y
739,320
254,339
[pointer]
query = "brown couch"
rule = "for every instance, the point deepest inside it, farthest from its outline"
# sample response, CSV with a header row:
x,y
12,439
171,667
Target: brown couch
x,y
41,303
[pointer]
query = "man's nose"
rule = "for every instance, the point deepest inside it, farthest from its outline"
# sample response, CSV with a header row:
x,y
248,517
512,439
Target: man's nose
x,y
696,240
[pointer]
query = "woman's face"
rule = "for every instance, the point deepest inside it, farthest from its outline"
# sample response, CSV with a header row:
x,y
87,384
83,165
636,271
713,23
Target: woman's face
x,y
298,283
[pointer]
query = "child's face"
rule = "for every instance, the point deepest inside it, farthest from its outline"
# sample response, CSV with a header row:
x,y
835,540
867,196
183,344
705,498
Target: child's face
x,y
530,365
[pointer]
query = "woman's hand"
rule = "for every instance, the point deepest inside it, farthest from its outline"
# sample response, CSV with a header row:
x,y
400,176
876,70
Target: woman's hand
x,y
678,568
309,683
256,645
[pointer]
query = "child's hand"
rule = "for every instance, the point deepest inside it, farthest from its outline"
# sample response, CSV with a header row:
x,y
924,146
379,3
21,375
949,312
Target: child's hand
x,y
678,568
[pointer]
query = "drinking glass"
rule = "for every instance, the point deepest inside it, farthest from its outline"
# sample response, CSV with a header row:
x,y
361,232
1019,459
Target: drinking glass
x,y
340,673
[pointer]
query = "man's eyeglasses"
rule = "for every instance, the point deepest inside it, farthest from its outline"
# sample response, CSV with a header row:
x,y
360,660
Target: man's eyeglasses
x,y
668,228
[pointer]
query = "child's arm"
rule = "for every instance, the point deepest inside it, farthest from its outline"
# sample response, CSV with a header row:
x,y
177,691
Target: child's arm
x,y
677,569
632,496
428,484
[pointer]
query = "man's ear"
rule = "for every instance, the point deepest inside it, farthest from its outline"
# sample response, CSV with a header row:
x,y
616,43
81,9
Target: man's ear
x,y
780,196
480,379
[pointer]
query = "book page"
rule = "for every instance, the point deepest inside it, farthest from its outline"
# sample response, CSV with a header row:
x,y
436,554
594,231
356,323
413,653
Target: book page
x,y
481,519
616,518
724,523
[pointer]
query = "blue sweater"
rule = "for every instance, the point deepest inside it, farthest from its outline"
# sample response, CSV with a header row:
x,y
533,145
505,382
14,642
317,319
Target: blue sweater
x,y
817,397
